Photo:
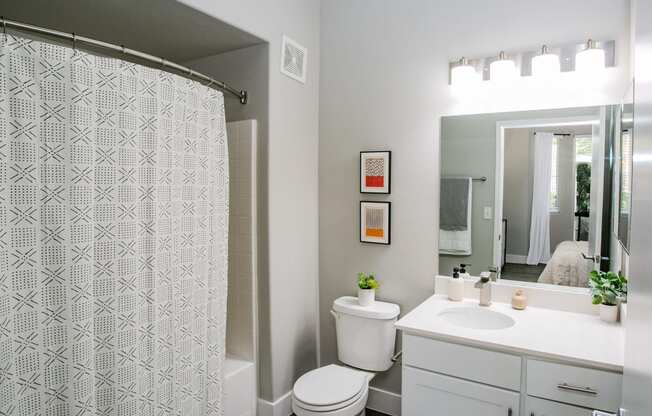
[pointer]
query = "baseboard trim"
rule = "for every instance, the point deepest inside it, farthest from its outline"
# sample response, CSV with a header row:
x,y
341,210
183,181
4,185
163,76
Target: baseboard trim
x,y
379,400
384,401
516,259
281,407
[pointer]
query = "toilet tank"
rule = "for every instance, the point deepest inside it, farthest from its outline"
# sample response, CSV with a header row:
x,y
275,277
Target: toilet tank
x,y
365,334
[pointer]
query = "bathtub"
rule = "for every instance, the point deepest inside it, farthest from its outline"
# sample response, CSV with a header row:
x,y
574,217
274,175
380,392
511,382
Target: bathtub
x,y
239,387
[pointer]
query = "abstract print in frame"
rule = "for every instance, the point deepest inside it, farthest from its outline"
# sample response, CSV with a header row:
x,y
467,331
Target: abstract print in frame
x,y
374,222
375,172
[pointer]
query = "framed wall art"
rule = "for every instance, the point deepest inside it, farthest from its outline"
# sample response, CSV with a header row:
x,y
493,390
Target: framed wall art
x,y
375,172
375,222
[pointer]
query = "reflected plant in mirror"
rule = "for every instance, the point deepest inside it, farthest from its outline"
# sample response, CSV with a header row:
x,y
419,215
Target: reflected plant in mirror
x,y
607,288
543,214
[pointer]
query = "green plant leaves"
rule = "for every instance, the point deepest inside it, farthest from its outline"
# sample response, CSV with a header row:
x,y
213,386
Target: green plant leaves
x,y
607,287
367,281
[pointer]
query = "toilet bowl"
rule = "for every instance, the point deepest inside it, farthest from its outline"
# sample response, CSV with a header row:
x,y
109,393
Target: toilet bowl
x,y
365,341
332,390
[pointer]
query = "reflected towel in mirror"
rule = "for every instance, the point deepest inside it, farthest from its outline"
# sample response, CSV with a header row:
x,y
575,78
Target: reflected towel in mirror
x,y
455,215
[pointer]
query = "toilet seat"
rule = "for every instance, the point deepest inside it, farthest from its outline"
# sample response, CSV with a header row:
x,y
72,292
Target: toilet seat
x,y
331,389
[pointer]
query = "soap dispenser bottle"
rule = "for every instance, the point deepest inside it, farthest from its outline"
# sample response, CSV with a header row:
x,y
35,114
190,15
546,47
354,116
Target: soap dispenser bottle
x,y
456,286
463,272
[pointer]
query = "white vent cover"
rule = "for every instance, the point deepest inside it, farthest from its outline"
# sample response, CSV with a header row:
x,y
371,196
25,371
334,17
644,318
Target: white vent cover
x,y
294,59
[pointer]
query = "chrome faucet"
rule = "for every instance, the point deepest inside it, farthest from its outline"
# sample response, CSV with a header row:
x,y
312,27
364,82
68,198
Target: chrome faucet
x,y
484,284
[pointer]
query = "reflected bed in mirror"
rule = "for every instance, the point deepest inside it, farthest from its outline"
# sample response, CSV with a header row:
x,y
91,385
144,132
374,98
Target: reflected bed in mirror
x,y
543,213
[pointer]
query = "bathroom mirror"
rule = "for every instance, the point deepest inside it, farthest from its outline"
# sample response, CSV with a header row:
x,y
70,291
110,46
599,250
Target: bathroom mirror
x,y
529,193
624,163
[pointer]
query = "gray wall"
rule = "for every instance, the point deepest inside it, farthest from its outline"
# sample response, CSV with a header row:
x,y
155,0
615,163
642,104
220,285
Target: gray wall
x,y
384,85
289,264
517,195
637,382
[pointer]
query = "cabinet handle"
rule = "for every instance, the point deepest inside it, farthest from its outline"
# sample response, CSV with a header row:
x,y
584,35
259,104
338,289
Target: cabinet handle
x,y
587,390
509,412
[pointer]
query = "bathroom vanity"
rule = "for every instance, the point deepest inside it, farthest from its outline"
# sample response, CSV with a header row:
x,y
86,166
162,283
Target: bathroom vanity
x,y
463,359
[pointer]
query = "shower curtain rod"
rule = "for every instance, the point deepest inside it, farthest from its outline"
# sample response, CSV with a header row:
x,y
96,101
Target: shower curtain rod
x,y
241,94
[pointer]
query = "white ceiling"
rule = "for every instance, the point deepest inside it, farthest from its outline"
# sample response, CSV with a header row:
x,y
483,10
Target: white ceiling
x,y
163,28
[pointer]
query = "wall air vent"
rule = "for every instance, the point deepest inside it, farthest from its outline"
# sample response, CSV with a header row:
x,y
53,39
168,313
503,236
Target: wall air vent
x,y
294,59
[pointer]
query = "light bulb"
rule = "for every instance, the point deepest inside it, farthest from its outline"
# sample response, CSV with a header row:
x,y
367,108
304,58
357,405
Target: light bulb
x,y
463,74
590,60
545,65
502,70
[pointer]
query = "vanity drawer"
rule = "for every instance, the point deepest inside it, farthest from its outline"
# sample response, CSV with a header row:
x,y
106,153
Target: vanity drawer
x,y
494,368
586,387
541,407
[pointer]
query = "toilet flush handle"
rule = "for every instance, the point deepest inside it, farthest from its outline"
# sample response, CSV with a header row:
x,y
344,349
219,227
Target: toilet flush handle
x,y
334,314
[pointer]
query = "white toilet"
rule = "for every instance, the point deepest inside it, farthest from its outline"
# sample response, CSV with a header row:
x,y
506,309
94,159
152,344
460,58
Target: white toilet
x,y
365,341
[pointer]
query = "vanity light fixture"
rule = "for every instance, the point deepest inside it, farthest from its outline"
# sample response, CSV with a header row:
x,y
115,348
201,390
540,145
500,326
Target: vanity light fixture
x,y
591,59
463,73
503,69
545,64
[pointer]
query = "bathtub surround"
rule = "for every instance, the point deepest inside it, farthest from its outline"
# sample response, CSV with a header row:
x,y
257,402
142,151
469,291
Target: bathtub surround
x,y
240,387
389,66
241,318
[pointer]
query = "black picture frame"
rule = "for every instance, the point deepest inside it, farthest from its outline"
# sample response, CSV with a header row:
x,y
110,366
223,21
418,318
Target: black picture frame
x,y
388,205
388,155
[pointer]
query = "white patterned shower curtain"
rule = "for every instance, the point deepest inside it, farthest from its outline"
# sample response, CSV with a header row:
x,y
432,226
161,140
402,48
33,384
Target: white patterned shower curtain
x,y
113,237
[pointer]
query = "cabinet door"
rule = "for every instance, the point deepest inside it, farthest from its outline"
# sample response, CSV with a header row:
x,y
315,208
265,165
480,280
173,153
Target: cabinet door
x,y
541,407
430,394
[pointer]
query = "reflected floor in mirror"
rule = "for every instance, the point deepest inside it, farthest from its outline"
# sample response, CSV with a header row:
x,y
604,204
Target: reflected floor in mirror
x,y
522,272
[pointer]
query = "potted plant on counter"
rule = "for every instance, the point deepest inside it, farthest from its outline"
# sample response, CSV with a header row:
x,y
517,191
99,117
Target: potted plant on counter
x,y
608,290
367,285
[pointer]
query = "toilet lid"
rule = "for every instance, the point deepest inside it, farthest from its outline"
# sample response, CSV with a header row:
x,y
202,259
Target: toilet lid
x,y
329,385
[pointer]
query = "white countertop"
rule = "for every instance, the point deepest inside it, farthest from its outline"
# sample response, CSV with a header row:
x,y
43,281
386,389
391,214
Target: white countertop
x,y
569,337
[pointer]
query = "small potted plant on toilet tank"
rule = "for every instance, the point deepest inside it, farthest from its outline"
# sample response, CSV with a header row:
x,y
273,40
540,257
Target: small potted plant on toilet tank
x,y
608,290
367,285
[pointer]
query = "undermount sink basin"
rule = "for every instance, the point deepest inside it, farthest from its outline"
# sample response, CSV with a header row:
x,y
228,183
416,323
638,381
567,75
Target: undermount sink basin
x,y
476,318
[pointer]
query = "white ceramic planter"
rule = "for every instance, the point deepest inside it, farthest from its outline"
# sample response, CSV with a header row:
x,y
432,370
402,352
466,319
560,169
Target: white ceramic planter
x,y
609,313
366,296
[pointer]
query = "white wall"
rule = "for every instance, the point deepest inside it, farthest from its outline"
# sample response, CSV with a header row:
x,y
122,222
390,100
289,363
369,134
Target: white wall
x,y
384,85
292,198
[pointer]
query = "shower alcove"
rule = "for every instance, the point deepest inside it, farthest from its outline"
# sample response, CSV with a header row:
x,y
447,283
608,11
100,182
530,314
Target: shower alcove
x,y
169,29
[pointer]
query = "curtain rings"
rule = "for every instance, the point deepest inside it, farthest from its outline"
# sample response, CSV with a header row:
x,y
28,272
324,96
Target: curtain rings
x,y
4,26
74,43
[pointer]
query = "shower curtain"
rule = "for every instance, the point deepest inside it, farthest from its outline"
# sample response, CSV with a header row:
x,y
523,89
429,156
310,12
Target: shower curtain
x,y
113,236
539,251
